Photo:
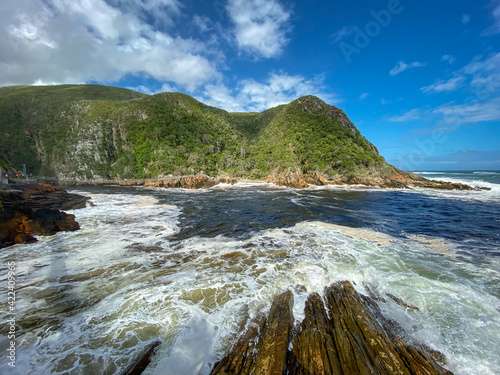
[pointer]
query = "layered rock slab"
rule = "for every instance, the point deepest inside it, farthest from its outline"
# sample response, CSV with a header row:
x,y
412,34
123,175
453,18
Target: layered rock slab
x,y
342,333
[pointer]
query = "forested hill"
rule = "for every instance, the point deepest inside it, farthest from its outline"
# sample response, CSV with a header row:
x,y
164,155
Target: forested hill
x,y
93,131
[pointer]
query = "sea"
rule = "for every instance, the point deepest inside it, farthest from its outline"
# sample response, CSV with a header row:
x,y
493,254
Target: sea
x,y
189,267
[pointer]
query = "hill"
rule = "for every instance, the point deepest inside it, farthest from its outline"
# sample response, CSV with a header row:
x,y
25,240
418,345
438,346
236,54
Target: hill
x,y
90,132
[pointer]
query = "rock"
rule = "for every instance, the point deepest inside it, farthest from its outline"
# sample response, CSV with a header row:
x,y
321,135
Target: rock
x,y
140,363
263,347
48,221
400,302
399,180
294,181
35,209
342,333
190,182
24,238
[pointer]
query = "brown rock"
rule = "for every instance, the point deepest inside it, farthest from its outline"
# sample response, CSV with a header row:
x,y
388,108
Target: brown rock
x,y
189,182
140,363
342,333
263,347
35,209
24,238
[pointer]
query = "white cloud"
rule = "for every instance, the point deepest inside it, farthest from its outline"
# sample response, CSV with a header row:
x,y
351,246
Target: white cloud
x,y
456,114
342,33
411,115
465,19
482,76
202,23
443,86
401,66
448,58
146,90
363,96
254,96
92,40
162,11
261,26
495,28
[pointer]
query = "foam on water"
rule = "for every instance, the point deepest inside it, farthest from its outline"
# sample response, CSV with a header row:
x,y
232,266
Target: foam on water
x,y
90,300
487,180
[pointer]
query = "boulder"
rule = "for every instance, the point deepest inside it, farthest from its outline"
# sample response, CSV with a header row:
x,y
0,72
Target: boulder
x,y
27,210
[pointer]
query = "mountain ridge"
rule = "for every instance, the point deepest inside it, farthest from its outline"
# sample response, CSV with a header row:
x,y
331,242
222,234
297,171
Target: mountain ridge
x,y
88,132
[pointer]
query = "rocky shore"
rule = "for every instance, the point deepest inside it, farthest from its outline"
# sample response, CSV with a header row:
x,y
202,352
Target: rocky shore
x,y
399,180
36,209
342,333
190,182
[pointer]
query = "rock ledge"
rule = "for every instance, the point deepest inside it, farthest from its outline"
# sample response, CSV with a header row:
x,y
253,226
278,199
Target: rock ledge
x,y
36,209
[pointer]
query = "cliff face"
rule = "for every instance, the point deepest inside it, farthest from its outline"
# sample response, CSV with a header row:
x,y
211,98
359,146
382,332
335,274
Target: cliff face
x,y
90,132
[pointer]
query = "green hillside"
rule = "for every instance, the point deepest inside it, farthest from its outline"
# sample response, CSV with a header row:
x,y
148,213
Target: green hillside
x,y
92,131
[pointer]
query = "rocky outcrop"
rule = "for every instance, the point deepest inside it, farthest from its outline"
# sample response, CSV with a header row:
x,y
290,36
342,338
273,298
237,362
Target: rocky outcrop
x,y
190,182
36,209
342,333
296,180
399,180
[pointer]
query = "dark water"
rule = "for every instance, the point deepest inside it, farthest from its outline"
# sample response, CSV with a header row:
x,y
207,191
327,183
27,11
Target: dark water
x,y
472,223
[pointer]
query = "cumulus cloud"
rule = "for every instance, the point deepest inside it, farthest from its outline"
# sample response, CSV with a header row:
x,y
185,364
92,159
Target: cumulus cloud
x,y
260,26
93,40
401,66
254,96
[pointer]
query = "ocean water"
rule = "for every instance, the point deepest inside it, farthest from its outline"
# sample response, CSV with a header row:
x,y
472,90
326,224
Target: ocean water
x,y
189,267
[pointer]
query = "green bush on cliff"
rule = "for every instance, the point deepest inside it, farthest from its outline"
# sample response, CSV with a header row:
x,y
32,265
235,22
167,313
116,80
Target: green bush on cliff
x,y
92,131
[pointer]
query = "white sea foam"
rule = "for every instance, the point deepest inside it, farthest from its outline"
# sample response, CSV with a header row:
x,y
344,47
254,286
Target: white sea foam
x,y
125,284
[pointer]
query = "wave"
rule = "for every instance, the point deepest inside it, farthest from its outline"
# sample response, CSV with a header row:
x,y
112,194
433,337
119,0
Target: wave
x,y
131,284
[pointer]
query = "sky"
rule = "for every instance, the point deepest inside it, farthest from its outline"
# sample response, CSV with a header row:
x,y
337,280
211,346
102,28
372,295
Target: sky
x,y
420,79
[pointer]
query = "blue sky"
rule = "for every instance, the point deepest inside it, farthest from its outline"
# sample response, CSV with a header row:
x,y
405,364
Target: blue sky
x,y
420,79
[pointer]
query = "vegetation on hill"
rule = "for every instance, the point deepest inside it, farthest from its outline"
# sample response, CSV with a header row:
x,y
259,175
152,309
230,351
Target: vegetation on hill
x,y
92,131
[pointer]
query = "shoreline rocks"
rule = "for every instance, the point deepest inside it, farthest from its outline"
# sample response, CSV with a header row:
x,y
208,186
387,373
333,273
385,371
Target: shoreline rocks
x,y
399,180
36,209
343,332
190,182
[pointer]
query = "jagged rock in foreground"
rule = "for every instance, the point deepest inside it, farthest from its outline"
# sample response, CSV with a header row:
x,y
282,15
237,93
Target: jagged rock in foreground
x,y
27,210
140,363
190,182
342,333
